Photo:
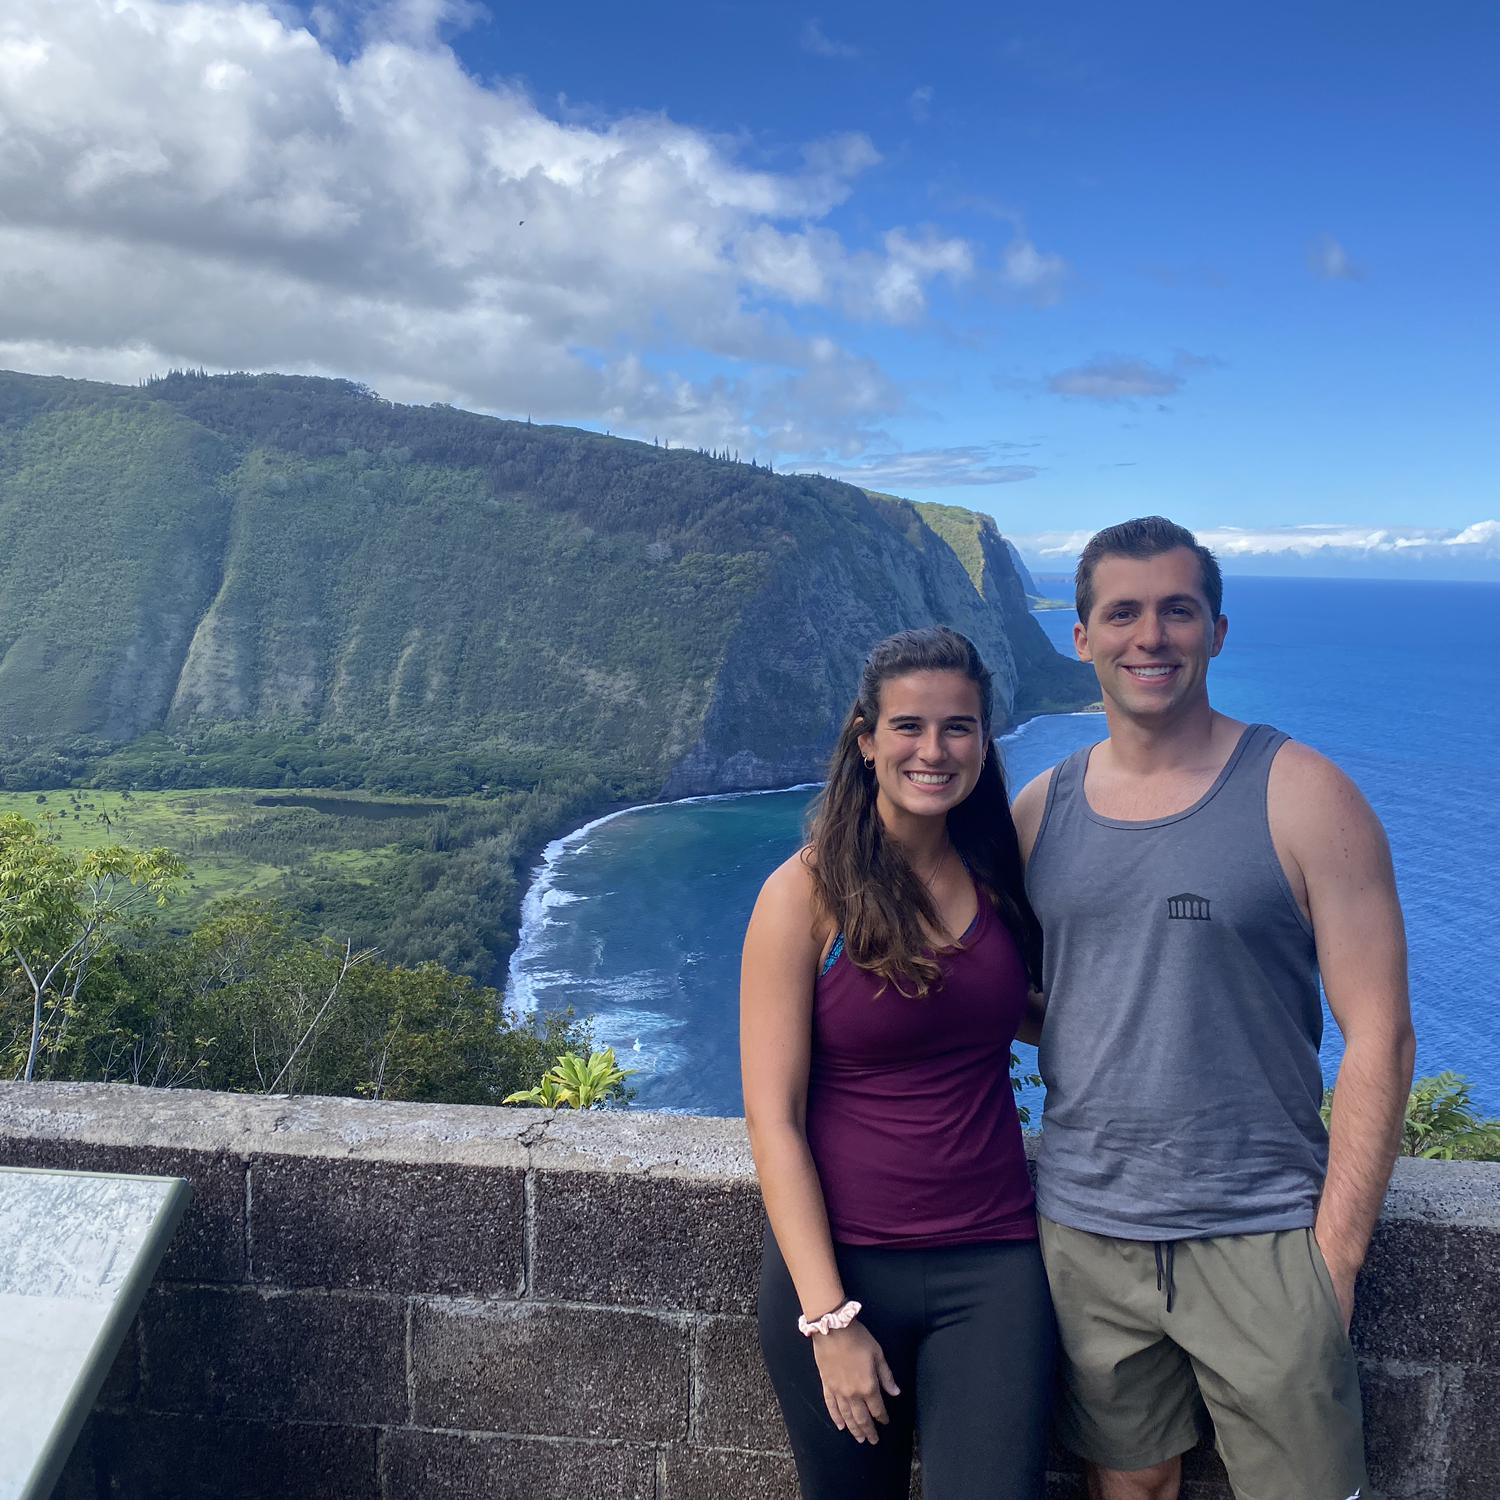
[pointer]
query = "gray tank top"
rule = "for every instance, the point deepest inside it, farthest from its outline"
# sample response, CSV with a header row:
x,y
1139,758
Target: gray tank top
x,y
1180,1050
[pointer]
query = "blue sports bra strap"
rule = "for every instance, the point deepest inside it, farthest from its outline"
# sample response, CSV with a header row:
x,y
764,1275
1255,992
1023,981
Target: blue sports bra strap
x,y
833,955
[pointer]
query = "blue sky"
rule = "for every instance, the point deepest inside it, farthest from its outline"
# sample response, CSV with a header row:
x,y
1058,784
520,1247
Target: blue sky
x,y
1063,264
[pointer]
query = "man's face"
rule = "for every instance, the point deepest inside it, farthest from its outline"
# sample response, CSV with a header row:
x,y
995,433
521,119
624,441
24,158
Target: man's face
x,y
1151,634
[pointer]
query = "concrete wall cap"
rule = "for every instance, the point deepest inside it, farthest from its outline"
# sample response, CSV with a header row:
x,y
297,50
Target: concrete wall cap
x,y
691,1147
317,1126
1450,1192
251,1124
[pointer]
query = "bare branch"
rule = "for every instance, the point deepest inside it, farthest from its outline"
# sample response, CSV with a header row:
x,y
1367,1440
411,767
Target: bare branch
x,y
350,960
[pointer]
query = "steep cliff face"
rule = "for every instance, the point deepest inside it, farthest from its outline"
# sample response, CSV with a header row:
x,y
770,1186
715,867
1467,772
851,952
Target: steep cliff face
x,y
265,551
1028,583
111,529
792,665
1047,681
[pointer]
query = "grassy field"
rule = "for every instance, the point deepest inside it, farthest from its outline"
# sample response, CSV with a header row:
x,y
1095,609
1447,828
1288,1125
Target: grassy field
x,y
286,835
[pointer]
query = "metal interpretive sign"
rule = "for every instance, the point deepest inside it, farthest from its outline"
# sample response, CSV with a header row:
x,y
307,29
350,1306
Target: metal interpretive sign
x,y
77,1252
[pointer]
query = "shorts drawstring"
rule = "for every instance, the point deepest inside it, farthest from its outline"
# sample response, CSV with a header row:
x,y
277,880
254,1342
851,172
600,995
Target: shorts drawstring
x,y
1164,1268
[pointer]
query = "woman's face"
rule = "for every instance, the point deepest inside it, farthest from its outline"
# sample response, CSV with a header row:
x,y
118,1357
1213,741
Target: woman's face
x,y
928,744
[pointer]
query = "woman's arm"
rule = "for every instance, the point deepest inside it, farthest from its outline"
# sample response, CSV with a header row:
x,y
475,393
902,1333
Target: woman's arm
x,y
783,948
1030,1030
782,952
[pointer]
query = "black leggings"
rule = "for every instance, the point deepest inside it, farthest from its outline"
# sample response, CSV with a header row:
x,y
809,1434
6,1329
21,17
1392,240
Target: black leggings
x,y
969,1335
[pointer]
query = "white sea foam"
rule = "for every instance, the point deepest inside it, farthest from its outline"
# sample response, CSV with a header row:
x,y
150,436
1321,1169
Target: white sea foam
x,y
524,980
640,1037
1020,729
527,980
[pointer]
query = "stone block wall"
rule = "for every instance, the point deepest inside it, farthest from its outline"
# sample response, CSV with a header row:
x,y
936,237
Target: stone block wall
x,y
395,1300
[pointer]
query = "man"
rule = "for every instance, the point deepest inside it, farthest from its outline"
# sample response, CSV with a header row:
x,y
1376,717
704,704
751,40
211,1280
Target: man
x,y
1194,876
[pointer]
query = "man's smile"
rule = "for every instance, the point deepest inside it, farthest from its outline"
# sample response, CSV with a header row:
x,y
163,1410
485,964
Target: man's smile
x,y
1151,673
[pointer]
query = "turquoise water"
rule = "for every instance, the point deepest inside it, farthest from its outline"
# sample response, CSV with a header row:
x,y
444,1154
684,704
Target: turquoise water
x,y
638,920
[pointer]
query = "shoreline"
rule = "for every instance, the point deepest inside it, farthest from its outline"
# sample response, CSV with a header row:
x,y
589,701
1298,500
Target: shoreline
x,y
516,988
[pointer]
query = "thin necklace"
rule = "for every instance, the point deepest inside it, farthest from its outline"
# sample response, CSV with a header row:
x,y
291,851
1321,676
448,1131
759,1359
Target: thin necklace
x,y
942,859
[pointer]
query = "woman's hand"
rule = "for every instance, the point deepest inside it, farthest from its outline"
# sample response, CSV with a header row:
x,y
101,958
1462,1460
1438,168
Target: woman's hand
x,y
854,1374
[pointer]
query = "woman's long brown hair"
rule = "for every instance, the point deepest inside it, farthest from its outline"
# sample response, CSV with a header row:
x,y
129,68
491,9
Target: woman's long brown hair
x,y
863,879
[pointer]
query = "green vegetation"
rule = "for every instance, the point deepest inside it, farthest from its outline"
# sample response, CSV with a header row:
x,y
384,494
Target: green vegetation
x,y
576,1082
963,531
422,879
92,988
1020,1081
213,586
266,580
59,911
260,552
1441,1122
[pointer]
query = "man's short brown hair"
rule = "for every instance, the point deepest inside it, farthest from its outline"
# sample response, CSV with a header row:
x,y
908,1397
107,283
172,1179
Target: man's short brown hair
x,y
1146,536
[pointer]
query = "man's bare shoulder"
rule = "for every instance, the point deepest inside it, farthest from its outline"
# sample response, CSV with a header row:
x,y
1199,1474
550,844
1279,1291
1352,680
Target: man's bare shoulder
x,y
1302,774
1028,808
1314,806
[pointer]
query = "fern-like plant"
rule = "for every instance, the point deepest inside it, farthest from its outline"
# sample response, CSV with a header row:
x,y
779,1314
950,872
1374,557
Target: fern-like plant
x,y
1442,1123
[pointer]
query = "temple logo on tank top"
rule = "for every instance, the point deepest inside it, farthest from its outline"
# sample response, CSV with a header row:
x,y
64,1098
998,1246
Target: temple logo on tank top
x,y
1188,908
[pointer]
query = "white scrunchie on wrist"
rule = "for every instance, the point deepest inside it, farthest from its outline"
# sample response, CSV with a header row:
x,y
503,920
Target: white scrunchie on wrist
x,y
840,1317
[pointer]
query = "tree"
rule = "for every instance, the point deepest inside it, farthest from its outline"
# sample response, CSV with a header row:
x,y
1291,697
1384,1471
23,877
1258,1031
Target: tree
x,y
58,912
243,1003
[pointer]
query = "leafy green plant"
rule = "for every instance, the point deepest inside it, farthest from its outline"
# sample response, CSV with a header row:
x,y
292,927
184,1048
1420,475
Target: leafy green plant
x,y
1442,1123
58,913
1019,1081
577,1082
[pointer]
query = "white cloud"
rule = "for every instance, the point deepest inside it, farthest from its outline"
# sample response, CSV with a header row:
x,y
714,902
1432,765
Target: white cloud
x,y
209,183
899,279
934,468
1026,269
919,102
1482,539
1328,259
1114,378
816,41
1470,551
1482,534
1121,377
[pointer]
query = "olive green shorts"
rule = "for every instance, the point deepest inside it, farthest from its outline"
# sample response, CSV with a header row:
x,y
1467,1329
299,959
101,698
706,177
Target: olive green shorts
x,y
1253,1339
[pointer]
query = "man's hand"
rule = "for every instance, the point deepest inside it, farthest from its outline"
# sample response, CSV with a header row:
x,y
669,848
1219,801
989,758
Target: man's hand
x,y
1343,1277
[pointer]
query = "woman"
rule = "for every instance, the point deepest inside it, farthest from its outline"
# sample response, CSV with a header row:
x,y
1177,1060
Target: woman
x,y
886,973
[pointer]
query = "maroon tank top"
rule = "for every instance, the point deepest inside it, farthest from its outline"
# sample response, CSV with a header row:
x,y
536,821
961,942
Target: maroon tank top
x,y
911,1118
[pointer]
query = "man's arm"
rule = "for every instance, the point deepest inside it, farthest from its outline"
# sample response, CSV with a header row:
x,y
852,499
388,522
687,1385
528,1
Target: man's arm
x,y
1027,812
1335,849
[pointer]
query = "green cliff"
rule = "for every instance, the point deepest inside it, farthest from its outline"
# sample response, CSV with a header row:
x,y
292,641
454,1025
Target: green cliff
x,y
242,553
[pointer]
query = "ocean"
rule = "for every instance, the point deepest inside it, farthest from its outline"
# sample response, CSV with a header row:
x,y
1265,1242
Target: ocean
x,y
637,919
